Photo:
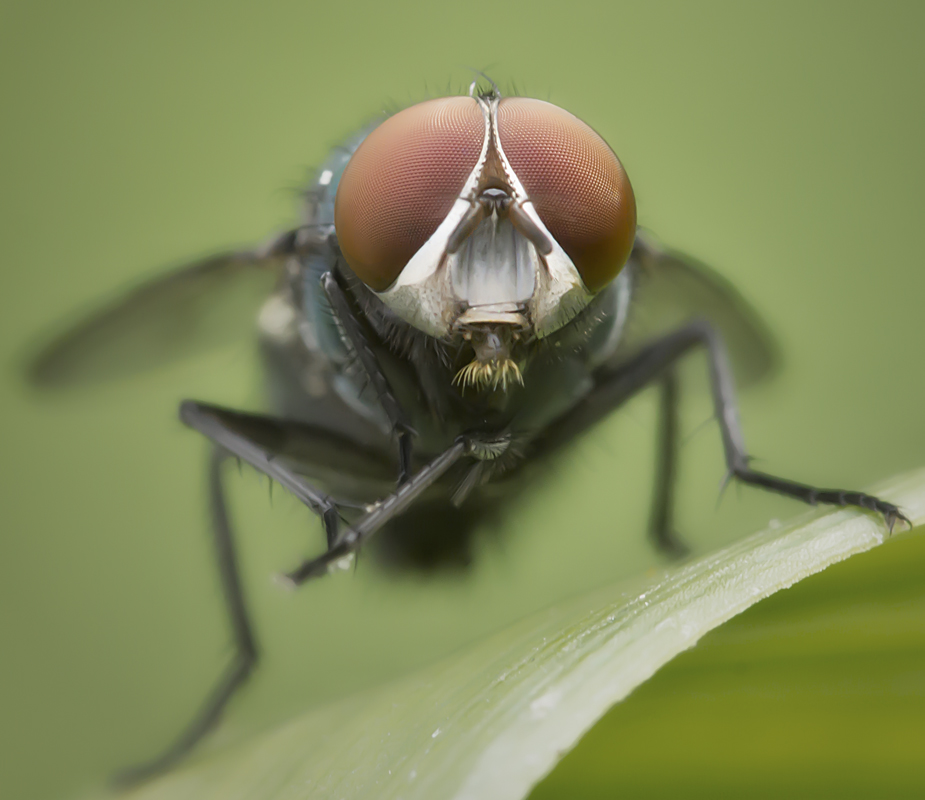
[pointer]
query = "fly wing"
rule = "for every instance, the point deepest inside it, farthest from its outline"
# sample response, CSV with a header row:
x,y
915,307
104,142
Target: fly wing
x,y
193,308
672,288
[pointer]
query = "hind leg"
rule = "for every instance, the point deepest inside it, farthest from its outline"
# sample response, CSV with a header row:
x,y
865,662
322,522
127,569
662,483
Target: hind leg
x,y
245,656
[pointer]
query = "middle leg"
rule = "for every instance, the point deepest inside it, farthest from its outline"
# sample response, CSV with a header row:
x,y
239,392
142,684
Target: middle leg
x,y
661,520
618,384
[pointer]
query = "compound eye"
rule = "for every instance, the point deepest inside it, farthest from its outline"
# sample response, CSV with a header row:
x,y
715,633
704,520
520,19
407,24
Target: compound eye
x,y
576,183
402,182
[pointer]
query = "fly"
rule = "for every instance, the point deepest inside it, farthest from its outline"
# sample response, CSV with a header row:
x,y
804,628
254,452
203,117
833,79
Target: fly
x,y
467,293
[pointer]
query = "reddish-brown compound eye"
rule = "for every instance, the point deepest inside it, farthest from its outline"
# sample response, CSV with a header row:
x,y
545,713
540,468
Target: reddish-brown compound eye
x,y
402,182
576,183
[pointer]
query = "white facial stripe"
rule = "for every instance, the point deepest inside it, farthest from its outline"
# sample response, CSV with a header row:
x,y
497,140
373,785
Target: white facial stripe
x,y
426,260
561,290
426,306
520,194
429,298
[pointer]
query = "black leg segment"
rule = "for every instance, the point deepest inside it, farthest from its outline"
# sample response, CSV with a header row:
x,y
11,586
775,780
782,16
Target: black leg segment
x,y
662,519
268,444
649,365
244,436
353,331
245,657
265,443
351,539
654,359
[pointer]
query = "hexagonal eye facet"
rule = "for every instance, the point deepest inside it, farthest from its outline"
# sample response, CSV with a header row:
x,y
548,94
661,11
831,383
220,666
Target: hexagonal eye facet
x,y
576,183
402,182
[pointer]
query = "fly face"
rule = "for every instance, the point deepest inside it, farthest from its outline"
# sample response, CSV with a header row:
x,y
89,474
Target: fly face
x,y
492,219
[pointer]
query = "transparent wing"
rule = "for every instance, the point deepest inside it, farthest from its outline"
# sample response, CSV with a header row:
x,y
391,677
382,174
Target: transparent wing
x,y
672,288
196,307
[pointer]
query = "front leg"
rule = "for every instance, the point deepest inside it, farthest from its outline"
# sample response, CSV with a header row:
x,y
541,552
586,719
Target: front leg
x,y
259,440
378,514
355,338
268,444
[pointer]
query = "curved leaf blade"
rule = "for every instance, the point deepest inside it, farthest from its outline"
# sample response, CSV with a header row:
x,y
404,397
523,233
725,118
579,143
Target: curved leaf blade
x,y
493,720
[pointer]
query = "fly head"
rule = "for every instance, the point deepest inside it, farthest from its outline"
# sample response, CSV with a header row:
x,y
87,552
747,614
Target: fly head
x,y
486,222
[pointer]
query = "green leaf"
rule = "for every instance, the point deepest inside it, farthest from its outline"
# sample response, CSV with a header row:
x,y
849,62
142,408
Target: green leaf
x,y
494,719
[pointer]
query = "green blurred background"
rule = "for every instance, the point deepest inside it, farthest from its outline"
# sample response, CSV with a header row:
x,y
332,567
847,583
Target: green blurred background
x,y
780,142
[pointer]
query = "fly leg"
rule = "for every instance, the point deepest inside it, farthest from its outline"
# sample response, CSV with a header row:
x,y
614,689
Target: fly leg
x,y
661,521
267,443
245,657
617,384
263,442
356,338
737,460
260,441
352,538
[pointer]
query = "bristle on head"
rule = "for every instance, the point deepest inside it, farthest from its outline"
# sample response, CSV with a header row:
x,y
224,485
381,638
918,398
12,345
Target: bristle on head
x,y
496,374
